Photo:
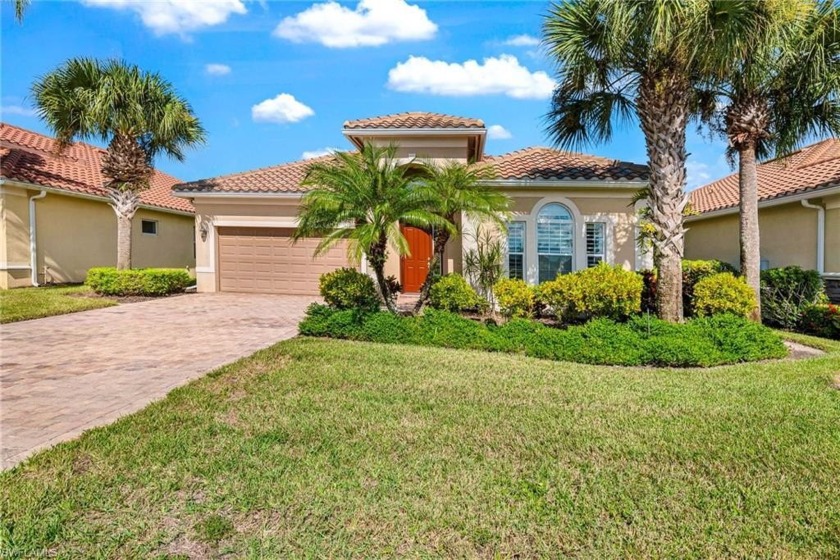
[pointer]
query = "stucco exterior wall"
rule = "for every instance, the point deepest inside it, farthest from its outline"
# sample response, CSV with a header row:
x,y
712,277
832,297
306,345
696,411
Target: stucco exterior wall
x,y
788,237
75,234
14,238
832,234
420,147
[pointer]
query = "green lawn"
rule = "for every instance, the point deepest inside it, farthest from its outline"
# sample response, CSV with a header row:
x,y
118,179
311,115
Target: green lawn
x,y
324,448
21,304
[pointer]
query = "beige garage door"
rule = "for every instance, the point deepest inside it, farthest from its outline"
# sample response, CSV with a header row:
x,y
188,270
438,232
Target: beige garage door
x,y
263,260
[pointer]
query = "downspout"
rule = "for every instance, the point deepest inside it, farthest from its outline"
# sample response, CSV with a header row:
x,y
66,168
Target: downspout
x,y
820,234
33,239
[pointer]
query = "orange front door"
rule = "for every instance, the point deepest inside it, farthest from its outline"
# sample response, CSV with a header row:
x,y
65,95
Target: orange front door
x,y
415,266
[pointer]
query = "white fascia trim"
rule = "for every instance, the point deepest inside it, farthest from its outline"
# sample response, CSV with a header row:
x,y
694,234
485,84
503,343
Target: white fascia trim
x,y
71,194
548,183
284,222
15,266
222,194
768,203
414,131
204,270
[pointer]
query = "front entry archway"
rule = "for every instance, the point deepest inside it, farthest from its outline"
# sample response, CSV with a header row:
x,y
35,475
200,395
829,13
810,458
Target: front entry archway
x,y
415,266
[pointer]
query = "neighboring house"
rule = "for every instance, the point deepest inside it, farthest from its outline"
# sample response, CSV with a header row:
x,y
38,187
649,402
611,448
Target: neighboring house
x,y
570,211
55,221
799,214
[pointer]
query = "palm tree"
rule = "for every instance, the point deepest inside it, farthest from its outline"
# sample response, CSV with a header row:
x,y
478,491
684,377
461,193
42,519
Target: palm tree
x,y
363,197
457,189
139,114
20,9
774,86
620,59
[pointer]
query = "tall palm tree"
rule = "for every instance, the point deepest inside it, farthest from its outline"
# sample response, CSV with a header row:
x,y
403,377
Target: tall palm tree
x,y
621,60
139,115
20,9
363,197
455,189
772,87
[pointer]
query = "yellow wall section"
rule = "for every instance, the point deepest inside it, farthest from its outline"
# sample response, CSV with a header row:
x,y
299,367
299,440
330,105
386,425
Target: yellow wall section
x,y
75,234
788,237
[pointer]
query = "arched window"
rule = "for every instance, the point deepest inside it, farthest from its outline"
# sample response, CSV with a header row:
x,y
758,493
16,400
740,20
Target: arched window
x,y
555,241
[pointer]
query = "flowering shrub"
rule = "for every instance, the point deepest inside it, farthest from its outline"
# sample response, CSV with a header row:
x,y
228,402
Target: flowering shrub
x,y
821,320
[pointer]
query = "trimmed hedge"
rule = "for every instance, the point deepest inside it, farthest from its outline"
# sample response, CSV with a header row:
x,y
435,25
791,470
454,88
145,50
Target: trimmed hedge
x,y
693,272
723,293
515,297
643,340
108,281
602,291
347,288
453,293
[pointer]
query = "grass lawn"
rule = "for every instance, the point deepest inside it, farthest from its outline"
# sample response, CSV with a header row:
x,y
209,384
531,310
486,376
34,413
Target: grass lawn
x,y
326,448
31,303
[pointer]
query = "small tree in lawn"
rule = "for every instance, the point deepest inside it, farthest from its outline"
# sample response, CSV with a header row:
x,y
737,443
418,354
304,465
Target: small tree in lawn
x,y
455,189
139,115
363,198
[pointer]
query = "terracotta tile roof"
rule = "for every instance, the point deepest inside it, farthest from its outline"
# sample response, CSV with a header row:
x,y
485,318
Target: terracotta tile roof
x,y
30,157
548,164
414,120
286,177
812,167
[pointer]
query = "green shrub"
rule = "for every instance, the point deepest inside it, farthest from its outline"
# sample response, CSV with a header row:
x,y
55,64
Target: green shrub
x,y
347,288
642,340
601,291
515,298
109,281
696,270
722,293
787,292
453,293
821,320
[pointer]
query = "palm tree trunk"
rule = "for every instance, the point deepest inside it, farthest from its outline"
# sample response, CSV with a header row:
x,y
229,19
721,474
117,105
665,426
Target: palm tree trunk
x,y
663,115
441,239
750,240
125,205
377,257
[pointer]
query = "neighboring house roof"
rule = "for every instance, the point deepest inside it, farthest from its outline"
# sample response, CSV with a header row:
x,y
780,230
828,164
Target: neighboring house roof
x,y
414,120
548,164
527,164
30,157
811,168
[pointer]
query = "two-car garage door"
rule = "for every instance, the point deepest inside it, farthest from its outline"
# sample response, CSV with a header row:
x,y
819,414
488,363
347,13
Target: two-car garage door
x,y
264,260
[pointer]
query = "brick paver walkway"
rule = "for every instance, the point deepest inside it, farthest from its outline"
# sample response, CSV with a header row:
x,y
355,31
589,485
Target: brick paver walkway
x,y
62,375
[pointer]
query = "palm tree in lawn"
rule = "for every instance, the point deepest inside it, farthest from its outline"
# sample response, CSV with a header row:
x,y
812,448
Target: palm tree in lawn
x,y
455,189
139,115
773,85
620,60
363,197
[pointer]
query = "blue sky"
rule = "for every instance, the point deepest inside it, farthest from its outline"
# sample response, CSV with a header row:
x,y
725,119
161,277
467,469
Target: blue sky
x,y
274,81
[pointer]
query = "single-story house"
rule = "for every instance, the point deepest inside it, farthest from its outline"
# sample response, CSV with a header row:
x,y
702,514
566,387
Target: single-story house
x,y
798,214
55,221
570,211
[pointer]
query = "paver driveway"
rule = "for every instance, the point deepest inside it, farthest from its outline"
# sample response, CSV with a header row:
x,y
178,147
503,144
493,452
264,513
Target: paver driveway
x,y
62,375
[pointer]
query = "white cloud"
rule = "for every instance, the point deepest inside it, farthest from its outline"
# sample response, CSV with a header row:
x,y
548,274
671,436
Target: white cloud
x,y
498,132
17,110
281,109
372,23
699,173
217,69
176,16
503,75
521,41
310,154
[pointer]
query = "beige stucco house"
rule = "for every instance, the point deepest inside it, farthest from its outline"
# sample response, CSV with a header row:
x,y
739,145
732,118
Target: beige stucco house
x,y
799,214
55,221
570,211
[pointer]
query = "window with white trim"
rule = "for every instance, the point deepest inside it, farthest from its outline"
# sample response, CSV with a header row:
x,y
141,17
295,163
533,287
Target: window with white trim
x,y
596,243
516,250
149,227
555,241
